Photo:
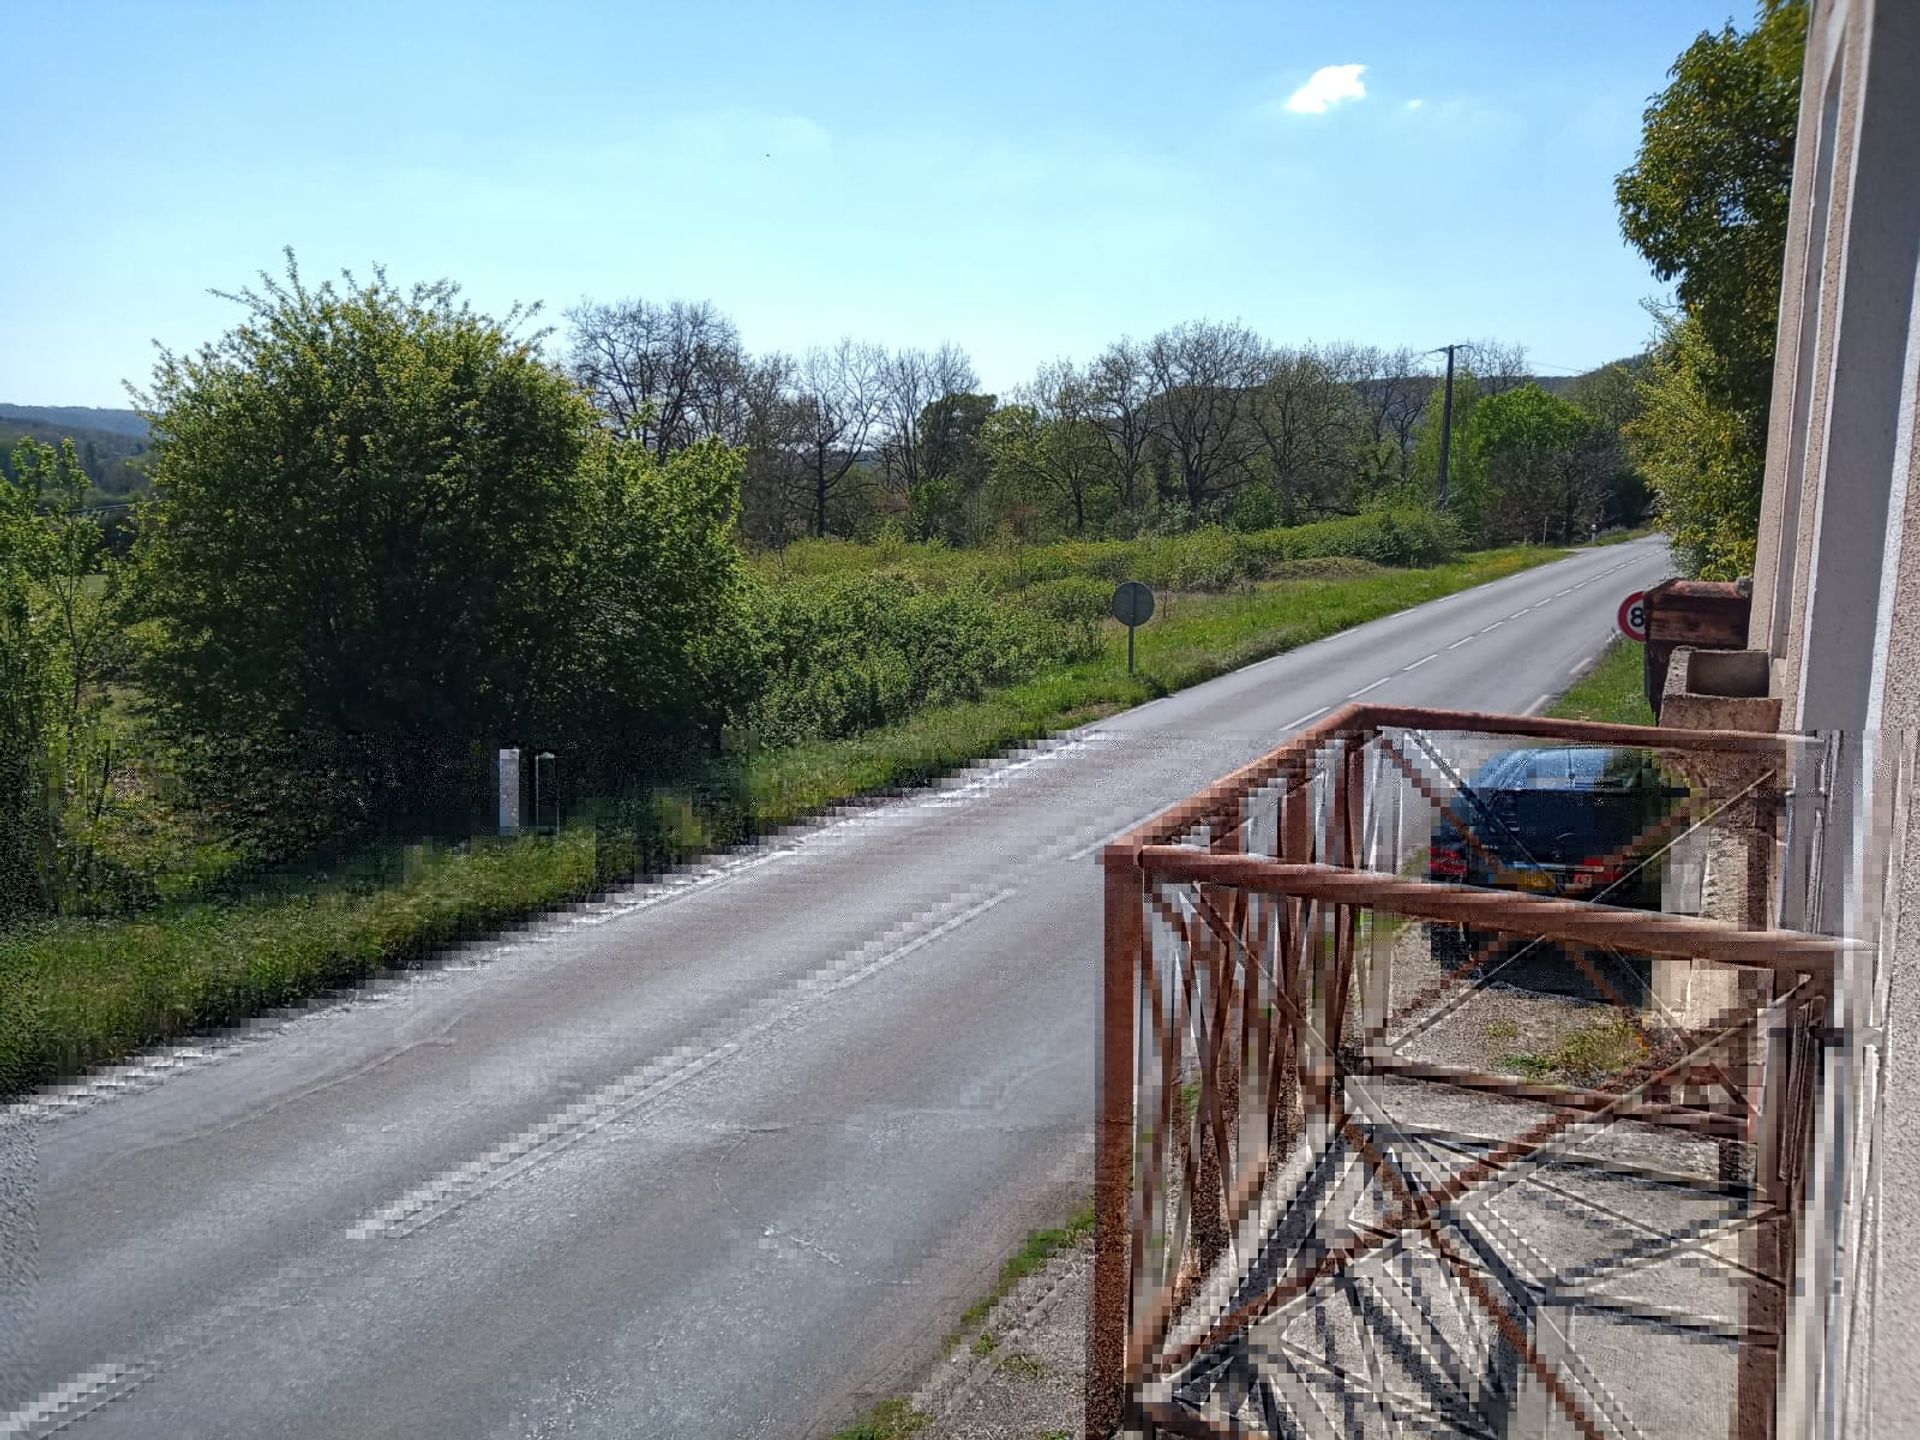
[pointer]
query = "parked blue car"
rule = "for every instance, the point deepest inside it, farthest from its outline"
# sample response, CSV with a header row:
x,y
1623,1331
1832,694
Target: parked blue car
x,y
1563,822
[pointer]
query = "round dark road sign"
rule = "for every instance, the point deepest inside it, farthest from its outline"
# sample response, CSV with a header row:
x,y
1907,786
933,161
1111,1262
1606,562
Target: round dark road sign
x,y
1132,603
1633,616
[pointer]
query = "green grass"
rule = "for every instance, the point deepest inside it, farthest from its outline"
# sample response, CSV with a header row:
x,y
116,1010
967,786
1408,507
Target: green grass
x,y
76,993
1584,1055
893,1419
1024,1367
1210,558
1040,1247
1612,691
1620,537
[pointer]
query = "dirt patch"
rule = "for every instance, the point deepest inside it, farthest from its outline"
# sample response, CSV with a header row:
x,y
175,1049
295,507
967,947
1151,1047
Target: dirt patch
x,y
1500,1026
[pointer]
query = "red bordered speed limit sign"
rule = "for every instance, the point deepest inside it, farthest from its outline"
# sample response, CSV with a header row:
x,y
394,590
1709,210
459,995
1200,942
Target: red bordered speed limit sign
x,y
1633,616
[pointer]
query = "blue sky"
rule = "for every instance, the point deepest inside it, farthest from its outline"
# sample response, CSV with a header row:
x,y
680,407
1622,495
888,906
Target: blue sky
x,y
1028,181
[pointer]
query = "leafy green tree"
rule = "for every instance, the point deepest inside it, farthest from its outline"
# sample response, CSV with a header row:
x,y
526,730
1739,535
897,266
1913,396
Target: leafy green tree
x,y
1424,471
1611,394
1706,197
658,656
949,439
26,692
1537,466
1059,458
936,510
387,538
1706,202
59,637
1311,429
1696,456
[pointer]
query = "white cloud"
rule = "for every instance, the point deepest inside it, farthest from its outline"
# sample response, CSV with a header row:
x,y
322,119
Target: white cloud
x,y
1328,86
1415,104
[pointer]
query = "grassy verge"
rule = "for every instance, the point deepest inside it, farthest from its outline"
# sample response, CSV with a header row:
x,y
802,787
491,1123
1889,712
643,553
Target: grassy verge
x,y
1040,1247
892,1419
1195,638
895,1418
1620,537
75,993
1612,691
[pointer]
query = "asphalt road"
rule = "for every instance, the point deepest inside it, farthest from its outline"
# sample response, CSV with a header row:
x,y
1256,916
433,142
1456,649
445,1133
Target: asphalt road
x,y
721,1157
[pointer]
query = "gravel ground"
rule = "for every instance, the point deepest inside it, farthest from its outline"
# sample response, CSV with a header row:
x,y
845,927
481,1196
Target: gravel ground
x,y
1030,1384
1481,1029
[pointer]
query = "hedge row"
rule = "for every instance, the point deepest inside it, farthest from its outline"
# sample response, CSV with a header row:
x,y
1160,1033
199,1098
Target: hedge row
x,y
1208,559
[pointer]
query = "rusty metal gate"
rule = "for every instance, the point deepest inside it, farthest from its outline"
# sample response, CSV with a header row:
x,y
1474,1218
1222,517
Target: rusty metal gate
x,y
1380,1154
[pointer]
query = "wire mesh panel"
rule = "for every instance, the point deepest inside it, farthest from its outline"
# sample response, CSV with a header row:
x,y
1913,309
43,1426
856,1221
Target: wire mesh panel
x,y
1454,1081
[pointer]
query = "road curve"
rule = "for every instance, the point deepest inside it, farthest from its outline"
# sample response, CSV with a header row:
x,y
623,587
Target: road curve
x,y
720,1157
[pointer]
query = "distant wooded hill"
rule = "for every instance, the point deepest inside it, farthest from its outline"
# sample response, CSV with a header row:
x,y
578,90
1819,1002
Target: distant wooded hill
x,y
81,417
112,443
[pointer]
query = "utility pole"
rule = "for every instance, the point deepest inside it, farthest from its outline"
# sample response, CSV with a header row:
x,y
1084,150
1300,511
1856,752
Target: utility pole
x,y
1446,434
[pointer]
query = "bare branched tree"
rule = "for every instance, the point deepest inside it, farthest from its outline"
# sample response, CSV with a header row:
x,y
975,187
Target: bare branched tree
x,y
1047,438
1202,372
1393,385
912,380
660,374
773,499
1193,416
1121,396
840,397
1497,366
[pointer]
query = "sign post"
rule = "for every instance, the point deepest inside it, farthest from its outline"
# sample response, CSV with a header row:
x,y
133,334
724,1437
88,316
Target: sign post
x,y
1632,617
544,759
1132,607
509,765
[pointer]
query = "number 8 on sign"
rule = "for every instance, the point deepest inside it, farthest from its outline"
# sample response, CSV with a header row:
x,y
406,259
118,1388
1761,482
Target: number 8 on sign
x,y
1633,616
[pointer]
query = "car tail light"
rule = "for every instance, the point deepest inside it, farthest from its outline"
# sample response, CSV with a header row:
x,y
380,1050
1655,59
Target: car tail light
x,y
1447,865
1600,876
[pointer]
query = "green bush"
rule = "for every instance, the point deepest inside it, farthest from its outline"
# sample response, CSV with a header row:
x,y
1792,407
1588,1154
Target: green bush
x,y
386,533
843,655
1078,604
1207,559
1204,560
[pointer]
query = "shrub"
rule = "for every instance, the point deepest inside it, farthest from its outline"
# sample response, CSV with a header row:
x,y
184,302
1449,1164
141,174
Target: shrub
x,y
387,535
846,655
1077,604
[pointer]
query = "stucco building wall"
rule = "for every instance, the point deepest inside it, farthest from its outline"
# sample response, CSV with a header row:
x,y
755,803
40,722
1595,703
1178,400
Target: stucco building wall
x,y
1837,609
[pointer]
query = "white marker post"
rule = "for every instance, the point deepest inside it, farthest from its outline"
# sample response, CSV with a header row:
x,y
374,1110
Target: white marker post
x,y
509,791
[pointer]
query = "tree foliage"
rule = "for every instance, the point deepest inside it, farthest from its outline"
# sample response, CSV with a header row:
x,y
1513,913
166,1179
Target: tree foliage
x,y
387,536
1203,423
59,637
1696,455
1539,466
1706,197
1706,202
